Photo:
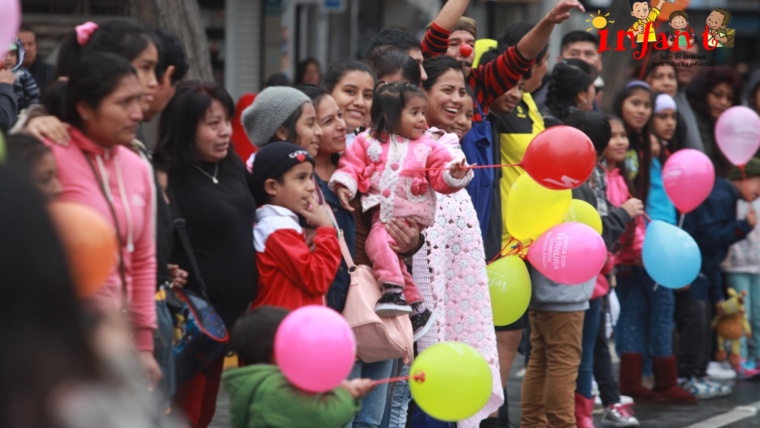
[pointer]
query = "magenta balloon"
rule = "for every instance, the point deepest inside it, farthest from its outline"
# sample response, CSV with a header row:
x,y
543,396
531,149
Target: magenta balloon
x,y
10,11
569,253
688,177
315,348
737,133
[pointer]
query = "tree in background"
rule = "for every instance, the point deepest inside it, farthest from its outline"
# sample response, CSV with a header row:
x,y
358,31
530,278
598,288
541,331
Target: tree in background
x,y
183,18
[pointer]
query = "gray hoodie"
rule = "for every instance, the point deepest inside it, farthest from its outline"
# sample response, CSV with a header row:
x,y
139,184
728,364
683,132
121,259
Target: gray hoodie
x,y
554,297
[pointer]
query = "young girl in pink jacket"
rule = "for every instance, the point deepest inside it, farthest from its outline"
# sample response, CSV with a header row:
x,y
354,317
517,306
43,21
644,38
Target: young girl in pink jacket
x,y
397,168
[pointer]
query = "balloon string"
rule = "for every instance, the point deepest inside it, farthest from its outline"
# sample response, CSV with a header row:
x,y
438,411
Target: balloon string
x,y
680,221
419,377
517,249
646,216
502,165
499,254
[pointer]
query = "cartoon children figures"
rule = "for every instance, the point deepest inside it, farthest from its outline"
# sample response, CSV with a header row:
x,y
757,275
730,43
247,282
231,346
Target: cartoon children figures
x,y
679,26
640,10
717,21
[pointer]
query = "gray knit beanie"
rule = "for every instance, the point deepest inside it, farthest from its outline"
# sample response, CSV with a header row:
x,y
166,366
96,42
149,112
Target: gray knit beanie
x,y
271,108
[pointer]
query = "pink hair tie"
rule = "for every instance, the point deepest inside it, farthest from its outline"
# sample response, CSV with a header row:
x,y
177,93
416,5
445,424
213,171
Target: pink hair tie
x,y
84,32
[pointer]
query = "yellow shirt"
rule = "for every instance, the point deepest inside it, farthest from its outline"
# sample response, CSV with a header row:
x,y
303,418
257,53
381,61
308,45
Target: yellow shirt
x,y
652,37
516,130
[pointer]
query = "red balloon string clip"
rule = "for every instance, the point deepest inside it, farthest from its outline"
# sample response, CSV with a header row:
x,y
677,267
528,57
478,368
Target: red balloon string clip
x,y
418,377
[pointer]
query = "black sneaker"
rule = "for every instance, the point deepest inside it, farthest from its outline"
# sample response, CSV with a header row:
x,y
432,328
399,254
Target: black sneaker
x,y
391,305
421,323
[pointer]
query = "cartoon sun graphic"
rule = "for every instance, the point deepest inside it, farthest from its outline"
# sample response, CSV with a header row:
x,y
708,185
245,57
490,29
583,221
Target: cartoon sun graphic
x,y
598,21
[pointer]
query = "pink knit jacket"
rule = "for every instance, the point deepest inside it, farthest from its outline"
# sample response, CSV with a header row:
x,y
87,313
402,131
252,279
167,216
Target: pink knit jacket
x,y
393,175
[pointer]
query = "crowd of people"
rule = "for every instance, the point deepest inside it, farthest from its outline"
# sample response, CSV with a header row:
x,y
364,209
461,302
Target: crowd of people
x,y
374,154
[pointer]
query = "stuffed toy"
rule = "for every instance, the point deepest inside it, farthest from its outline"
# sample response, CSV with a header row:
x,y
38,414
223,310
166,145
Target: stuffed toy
x,y
731,325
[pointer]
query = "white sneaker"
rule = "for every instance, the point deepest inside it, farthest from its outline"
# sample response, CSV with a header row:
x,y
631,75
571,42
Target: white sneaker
x,y
700,389
720,371
520,373
619,416
626,400
722,389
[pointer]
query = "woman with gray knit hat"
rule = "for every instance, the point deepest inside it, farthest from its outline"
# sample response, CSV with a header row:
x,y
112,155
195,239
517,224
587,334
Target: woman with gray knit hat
x,y
282,113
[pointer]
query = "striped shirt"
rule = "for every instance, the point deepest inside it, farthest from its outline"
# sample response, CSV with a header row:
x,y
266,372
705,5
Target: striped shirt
x,y
488,81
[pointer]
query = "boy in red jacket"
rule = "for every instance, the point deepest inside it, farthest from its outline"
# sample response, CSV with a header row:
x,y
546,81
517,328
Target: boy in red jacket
x,y
291,274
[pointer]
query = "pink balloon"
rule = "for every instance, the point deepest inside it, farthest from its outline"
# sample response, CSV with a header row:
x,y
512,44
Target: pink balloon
x,y
688,177
569,253
11,13
737,133
315,348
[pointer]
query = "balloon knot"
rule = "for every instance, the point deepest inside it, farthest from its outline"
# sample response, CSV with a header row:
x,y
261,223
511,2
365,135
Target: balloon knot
x,y
419,377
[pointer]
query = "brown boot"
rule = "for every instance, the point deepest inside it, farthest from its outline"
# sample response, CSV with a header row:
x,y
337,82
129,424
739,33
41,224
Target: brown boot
x,y
666,381
631,367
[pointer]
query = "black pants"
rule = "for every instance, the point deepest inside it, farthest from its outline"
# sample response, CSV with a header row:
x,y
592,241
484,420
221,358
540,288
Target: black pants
x,y
609,390
694,335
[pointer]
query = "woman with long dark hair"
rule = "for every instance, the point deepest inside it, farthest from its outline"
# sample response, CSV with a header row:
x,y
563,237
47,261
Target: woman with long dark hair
x,y
450,269
571,88
208,187
646,312
103,105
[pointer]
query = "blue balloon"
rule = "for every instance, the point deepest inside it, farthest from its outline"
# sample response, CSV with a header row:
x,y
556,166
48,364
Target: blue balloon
x,y
671,256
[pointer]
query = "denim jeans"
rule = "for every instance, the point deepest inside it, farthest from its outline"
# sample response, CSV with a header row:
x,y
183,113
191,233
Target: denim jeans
x,y
373,405
646,314
749,282
588,342
398,397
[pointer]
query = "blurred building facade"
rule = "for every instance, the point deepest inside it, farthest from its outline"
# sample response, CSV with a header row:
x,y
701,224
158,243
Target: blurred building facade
x,y
250,40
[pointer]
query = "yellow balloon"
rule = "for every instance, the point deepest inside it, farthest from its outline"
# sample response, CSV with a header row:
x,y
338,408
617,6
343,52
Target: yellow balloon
x,y
533,209
583,212
450,381
509,287
481,46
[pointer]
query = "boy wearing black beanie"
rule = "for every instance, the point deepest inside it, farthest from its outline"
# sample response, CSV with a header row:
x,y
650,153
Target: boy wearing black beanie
x,y
291,274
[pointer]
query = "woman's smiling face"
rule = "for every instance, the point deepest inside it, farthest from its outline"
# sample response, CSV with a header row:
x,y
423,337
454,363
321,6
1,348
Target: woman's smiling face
x,y
445,99
353,93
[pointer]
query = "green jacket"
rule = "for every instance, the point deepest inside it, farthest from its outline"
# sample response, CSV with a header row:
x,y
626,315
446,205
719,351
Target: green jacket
x,y
261,397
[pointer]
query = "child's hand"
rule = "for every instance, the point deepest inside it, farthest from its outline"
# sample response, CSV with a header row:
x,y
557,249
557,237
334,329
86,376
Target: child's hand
x,y
178,276
344,196
358,388
751,217
459,170
634,207
316,215
6,76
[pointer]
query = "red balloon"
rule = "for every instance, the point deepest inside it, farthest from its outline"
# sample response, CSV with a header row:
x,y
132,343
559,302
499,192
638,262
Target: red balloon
x,y
561,157
465,50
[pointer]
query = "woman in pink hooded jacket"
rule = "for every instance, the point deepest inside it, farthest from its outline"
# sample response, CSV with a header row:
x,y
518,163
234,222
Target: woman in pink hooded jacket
x,y
103,106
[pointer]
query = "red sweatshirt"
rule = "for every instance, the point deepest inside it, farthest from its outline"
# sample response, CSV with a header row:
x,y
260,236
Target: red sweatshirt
x,y
488,81
291,275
